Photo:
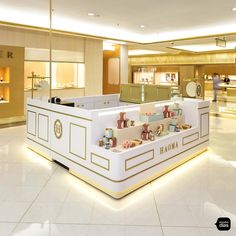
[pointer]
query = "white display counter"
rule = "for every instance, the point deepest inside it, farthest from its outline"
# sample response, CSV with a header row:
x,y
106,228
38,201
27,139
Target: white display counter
x,y
70,136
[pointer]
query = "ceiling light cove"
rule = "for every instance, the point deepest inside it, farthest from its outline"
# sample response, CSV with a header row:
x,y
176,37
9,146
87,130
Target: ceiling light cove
x,y
93,28
115,42
71,17
143,52
107,46
24,16
206,47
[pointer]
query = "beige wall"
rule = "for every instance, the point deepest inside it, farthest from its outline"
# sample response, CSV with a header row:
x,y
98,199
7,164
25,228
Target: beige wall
x,y
93,67
91,48
39,39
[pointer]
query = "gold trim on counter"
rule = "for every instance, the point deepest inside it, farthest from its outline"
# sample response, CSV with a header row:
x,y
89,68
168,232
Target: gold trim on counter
x,y
131,158
183,144
208,123
169,147
203,108
58,128
118,181
108,161
134,187
46,140
35,113
85,138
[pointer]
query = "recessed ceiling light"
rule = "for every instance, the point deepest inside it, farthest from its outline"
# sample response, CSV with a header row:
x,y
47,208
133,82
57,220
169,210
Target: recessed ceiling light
x,y
234,9
142,26
93,14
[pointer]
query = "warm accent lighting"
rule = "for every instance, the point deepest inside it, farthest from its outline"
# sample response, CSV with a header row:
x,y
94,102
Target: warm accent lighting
x,y
93,14
142,52
39,18
108,46
142,26
116,42
234,9
206,47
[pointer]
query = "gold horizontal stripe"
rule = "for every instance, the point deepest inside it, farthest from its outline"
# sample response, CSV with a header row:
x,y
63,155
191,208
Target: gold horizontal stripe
x,y
203,107
188,137
118,195
140,162
35,114
203,136
118,181
46,140
108,161
79,117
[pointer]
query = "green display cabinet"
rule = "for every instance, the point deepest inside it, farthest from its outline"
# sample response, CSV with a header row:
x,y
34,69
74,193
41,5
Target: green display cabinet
x,y
140,93
156,93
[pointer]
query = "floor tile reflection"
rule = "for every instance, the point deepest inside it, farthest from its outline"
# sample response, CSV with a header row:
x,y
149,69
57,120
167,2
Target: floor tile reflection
x,y
38,197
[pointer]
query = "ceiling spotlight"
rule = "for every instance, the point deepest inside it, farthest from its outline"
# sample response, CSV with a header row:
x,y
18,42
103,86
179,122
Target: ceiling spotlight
x,y
93,14
142,26
220,42
234,9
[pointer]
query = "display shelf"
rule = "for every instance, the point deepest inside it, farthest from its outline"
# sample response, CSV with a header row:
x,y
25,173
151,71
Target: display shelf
x,y
4,74
4,92
145,143
134,132
4,84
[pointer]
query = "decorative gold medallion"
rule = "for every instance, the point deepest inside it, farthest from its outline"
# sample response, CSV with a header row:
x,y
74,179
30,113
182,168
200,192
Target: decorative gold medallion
x,y
58,129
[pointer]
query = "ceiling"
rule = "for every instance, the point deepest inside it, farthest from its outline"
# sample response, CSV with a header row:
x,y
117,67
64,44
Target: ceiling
x,y
192,45
163,20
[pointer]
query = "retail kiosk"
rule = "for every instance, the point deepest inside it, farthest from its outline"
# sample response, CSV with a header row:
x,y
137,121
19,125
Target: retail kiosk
x,y
71,136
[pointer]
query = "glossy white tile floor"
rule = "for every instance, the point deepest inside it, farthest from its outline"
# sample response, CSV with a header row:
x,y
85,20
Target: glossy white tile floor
x,y
38,197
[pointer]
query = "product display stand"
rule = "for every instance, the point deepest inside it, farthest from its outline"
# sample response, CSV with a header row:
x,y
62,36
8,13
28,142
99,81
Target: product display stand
x,y
71,135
